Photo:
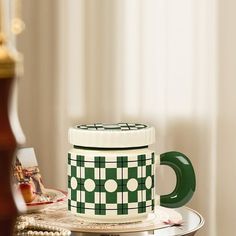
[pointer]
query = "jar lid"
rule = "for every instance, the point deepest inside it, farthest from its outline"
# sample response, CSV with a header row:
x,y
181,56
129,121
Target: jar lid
x,y
120,135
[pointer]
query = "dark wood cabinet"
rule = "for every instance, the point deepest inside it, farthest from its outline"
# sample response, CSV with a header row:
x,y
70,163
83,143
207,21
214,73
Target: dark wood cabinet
x,y
8,144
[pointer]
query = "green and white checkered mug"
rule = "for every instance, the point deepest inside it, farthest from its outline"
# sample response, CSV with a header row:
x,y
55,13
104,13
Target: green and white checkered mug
x,y
111,173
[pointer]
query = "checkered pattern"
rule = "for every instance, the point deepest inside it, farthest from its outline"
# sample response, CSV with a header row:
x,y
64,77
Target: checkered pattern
x,y
119,185
119,126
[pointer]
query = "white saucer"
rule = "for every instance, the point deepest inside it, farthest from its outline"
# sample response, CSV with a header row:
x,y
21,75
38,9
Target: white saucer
x,y
59,215
51,197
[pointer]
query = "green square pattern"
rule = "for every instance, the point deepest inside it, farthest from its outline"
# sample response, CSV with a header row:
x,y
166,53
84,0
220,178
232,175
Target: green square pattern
x,y
100,209
101,185
141,160
122,209
153,157
122,161
80,207
80,160
141,207
69,159
99,162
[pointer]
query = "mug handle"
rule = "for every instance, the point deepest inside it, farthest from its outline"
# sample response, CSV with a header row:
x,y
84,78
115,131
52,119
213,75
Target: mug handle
x,y
185,179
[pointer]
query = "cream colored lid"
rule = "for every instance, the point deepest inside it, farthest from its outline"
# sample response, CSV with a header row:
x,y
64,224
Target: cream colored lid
x,y
120,135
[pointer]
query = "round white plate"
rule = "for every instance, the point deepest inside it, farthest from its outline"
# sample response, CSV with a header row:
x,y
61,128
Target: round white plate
x,y
59,215
51,197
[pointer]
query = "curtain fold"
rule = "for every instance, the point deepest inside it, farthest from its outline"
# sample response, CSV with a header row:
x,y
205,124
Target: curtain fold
x,y
144,61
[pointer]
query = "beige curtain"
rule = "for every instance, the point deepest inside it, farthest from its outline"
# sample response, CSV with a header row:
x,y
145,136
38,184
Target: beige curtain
x,y
168,63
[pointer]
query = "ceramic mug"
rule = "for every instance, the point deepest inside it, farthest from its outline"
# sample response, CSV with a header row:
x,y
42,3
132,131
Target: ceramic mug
x,y
112,173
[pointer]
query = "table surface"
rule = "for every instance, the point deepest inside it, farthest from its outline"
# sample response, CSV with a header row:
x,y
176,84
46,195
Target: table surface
x,y
193,221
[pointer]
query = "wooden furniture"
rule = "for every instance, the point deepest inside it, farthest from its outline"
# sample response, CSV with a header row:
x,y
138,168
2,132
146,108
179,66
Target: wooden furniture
x,y
8,144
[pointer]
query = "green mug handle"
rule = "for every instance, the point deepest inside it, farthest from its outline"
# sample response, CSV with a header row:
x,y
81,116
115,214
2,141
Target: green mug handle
x,y
185,179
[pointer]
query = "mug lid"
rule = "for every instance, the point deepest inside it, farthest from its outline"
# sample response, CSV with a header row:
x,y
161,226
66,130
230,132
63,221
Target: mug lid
x,y
120,135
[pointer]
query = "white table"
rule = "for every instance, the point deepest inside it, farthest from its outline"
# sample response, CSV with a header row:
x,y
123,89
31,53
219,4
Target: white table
x,y
193,221
59,215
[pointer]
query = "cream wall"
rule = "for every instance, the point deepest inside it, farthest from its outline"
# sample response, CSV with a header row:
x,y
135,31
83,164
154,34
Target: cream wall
x,y
169,63
226,189
41,102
